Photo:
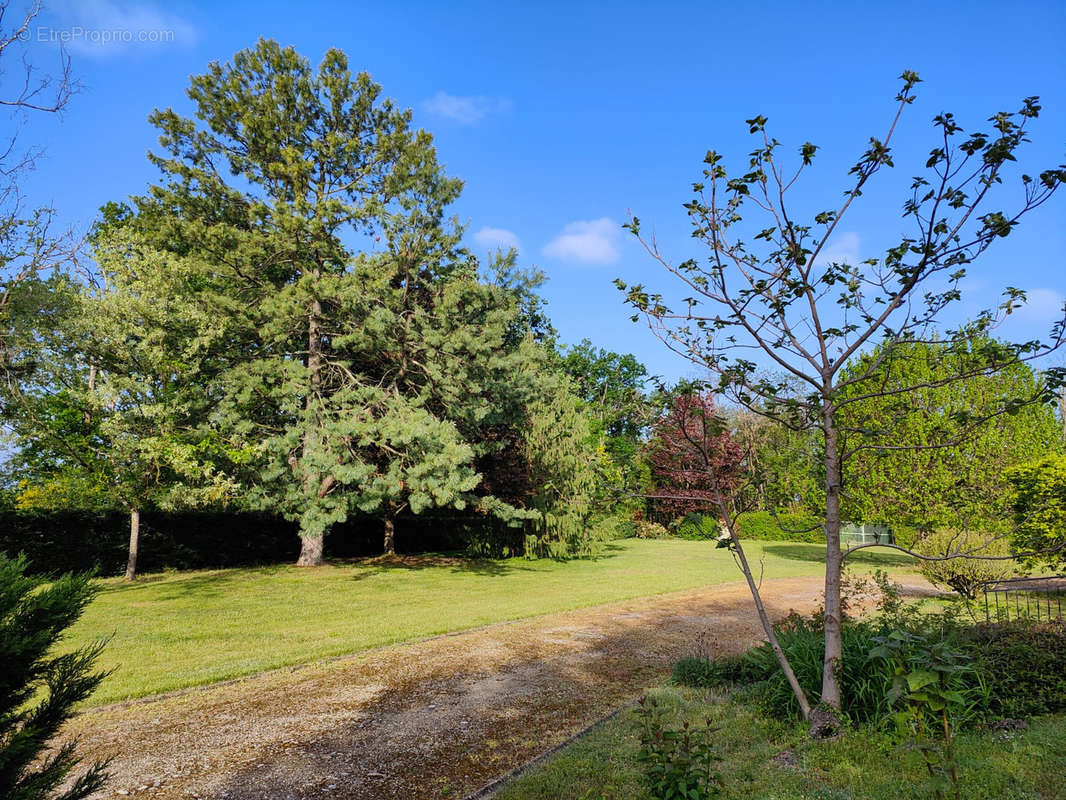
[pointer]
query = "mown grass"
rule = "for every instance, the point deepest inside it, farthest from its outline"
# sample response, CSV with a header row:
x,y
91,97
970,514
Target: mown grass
x,y
864,764
175,630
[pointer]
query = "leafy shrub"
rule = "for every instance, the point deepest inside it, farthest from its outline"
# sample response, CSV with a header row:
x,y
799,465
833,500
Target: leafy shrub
x,y
677,763
1024,665
864,681
928,696
616,527
38,691
964,575
697,526
786,527
650,530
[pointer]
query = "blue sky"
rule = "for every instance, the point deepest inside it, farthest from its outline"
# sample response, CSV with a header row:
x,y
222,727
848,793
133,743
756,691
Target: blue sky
x,y
563,117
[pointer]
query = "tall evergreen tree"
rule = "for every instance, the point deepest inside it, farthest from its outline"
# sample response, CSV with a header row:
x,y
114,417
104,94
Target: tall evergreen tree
x,y
372,360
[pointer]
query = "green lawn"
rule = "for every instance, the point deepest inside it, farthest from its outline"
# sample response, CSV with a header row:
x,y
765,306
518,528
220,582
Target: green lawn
x,y
862,765
174,630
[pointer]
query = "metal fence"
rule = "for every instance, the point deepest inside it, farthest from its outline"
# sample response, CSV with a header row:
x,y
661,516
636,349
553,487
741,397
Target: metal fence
x,y
1042,598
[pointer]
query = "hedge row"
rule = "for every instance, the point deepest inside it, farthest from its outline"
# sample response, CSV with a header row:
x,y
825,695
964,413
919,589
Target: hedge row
x,y
756,525
77,541
782,527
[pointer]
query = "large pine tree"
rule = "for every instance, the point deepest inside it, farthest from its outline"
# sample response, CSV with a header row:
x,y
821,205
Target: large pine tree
x,y
371,359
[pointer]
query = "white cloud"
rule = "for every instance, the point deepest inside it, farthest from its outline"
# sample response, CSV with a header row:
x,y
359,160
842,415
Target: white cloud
x,y
843,249
464,110
106,28
1041,305
497,237
590,242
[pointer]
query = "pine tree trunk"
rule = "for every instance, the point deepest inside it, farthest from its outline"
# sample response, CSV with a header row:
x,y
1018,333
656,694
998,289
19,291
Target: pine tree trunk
x,y
135,540
390,529
310,550
833,563
311,543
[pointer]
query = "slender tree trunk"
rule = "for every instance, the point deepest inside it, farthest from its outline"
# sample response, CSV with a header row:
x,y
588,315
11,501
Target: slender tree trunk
x,y
135,540
764,618
833,563
310,550
390,529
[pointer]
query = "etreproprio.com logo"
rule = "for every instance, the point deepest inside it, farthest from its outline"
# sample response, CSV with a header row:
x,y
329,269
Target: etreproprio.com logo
x,y
96,36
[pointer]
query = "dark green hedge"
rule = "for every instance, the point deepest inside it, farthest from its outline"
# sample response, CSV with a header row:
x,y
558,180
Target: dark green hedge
x,y
78,541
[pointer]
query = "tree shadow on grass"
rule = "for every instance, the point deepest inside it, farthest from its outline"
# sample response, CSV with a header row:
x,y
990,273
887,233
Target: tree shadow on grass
x,y
165,585
816,553
458,562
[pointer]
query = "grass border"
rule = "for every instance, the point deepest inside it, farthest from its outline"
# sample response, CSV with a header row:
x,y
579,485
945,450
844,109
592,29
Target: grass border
x,y
487,791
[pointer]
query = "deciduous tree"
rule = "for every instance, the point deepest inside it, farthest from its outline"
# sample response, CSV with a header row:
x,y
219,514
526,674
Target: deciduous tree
x,y
694,461
928,453
773,288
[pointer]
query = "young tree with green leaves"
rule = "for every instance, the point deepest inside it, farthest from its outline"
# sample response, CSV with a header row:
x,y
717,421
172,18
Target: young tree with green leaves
x,y
771,289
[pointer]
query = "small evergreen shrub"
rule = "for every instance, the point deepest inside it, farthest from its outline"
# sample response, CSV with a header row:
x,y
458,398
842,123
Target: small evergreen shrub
x,y
38,690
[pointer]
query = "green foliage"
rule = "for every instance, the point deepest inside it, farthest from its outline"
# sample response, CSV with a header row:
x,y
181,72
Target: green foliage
x,y
38,690
1024,665
678,764
866,678
928,691
373,366
706,673
564,469
1039,505
964,574
613,385
783,466
936,456
118,412
696,526
863,682
786,527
